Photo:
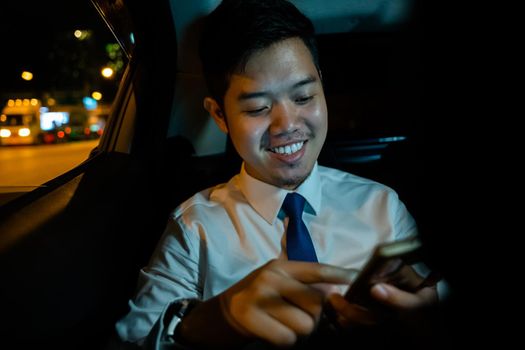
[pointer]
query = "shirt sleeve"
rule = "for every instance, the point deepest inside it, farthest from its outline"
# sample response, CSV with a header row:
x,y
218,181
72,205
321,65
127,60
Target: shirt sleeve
x,y
158,339
172,274
403,222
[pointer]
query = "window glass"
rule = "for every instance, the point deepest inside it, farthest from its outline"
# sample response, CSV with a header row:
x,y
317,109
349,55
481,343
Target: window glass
x,y
60,73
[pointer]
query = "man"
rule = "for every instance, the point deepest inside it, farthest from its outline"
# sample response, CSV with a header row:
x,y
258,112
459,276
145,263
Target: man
x,y
227,246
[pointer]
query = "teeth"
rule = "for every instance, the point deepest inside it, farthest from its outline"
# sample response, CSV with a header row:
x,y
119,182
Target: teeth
x,y
289,149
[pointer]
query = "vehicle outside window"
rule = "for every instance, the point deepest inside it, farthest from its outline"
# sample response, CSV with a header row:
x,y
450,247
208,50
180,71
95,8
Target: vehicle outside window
x,y
27,122
20,122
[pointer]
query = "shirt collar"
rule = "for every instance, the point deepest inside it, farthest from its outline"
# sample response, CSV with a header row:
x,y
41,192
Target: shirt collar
x,y
267,199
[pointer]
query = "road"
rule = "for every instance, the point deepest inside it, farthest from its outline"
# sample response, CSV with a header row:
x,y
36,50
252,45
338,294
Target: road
x,y
34,165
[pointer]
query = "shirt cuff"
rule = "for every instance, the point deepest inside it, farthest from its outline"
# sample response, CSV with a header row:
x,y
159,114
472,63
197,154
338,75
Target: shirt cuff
x,y
162,335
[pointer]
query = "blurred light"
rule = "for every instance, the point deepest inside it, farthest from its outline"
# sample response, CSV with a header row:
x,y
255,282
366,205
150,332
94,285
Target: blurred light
x,y
44,110
132,38
5,133
106,72
89,103
10,103
392,139
23,132
67,130
60,134
34,102
25,102
53,120
113,51
96,95
27,75
94,127
18,102
3,118
82,34
51,101
87,131
48,138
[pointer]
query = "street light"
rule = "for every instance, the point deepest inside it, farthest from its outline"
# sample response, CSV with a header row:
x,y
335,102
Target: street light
x,y
107,72
82,34
27,75
96,95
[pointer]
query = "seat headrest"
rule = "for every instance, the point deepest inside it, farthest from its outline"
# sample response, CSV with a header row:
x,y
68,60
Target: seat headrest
x,y
334,16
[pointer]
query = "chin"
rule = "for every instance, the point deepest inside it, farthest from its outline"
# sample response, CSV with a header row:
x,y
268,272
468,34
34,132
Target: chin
x,y
291,181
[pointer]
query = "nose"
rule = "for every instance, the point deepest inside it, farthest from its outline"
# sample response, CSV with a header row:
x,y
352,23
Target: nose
x,y
284,118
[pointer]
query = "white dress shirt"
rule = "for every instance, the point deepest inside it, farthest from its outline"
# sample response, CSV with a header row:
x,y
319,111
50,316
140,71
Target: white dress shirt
x,y
221,234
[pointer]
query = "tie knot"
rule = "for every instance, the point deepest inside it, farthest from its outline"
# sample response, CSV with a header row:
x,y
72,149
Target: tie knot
x,y
293,205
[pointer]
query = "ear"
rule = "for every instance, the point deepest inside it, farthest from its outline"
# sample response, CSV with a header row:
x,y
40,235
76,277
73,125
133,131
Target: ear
x,y
216,112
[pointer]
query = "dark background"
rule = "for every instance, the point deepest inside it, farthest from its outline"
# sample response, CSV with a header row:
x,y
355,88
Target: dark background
x,y
37,36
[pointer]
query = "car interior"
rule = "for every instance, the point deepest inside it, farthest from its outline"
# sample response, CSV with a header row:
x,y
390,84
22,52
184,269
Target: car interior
x,y
70,251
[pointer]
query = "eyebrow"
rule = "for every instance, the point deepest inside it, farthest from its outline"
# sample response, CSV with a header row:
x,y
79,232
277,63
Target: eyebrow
x,y
249,95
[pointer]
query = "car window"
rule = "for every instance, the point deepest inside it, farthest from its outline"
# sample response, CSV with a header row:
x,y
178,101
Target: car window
x,y
62,67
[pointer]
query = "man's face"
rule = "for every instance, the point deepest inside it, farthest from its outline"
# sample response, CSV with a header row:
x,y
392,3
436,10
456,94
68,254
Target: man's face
x,y
276,114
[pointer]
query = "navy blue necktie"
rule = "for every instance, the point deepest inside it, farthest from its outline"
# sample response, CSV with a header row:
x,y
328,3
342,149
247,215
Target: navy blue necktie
x,y
299,244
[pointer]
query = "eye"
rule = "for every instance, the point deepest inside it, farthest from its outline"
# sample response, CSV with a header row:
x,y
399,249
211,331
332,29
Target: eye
x,y
257,111
304,99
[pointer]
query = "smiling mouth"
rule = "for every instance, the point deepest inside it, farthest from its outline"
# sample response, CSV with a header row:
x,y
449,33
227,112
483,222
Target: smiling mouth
x,y
288,149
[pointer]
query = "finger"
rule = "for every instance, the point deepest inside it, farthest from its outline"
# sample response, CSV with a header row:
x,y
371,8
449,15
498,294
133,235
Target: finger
x,y
308,272
350,314
294,304
303,296
326,289
252,320
402,300
408,278
299,283
299,320
265,326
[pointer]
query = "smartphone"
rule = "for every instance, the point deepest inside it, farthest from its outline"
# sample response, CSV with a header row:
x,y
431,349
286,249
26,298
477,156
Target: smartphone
x,y
389,263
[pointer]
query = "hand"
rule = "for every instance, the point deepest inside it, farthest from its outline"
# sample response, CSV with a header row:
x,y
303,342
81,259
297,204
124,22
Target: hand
x,y
349,314
402,300
407,296
281,300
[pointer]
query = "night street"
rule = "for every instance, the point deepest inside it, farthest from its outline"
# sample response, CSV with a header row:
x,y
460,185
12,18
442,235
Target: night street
x,y
34,165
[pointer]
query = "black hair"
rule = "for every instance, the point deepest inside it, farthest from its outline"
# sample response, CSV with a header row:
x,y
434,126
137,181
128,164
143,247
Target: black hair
x,y
237,29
